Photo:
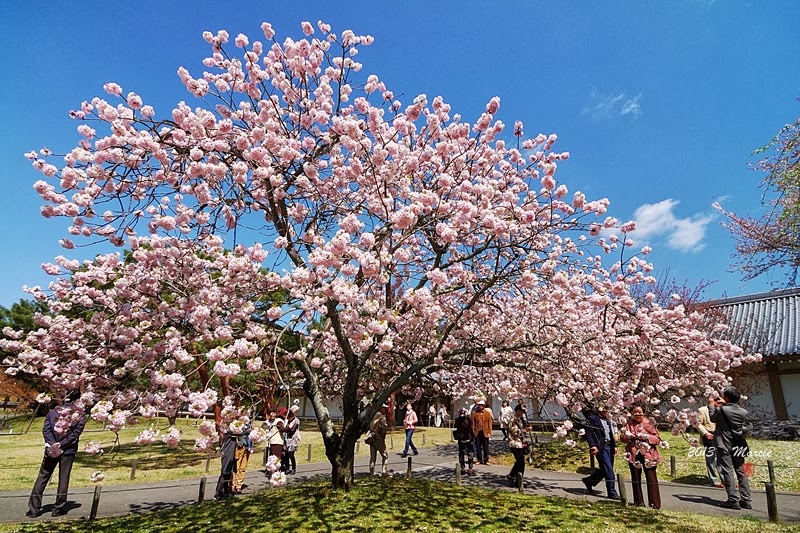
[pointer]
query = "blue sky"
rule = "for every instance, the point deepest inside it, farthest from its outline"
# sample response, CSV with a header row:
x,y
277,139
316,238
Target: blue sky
x,y
659,103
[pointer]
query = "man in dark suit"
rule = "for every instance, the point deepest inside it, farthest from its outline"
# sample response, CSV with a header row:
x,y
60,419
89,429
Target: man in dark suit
x,y
62,428
603,446
730,418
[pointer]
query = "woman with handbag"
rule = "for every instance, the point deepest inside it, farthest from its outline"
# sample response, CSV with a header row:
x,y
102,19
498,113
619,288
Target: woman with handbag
x,y
641,439
378,428
291,440
516,443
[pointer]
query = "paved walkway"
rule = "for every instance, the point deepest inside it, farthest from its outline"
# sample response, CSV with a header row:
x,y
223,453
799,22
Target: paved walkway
x,y
432,463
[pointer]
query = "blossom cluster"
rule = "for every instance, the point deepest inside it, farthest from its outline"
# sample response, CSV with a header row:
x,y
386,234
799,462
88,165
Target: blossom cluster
x,y
393,240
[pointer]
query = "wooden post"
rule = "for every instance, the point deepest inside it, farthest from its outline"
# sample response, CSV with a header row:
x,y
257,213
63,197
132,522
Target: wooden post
x,y
673,466
95,502
391,442
133,469
771,468
30,422
423,439
535,438
458,474
201,495
772,502
519,483
309,453
408,472
208,463
623,492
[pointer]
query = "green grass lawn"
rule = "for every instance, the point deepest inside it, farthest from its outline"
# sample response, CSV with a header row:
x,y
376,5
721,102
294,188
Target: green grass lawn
x,y
22,453
396,504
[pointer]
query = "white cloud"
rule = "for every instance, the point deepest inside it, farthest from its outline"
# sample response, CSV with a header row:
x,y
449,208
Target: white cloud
x,y
632,107
603,106
658,221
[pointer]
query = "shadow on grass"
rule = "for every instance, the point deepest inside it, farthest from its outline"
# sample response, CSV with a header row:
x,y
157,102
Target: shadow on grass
x,y
396,504
148,457
692,479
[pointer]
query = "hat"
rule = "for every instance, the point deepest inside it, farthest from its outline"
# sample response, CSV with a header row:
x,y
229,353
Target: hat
x,y
282,411
294,408
481,402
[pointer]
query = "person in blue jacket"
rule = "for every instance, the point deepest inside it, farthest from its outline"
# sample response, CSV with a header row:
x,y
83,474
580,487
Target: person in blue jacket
x,y
603,446
62,428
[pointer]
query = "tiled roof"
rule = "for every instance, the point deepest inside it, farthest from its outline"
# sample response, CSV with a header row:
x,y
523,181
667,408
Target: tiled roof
x,y
768,322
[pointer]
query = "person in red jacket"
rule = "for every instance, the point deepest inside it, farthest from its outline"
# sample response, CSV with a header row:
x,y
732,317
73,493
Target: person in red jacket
x,y
641,438
62,429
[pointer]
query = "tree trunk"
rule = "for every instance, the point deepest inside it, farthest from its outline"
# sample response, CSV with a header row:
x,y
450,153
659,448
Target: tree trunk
x,y
340,446
340,450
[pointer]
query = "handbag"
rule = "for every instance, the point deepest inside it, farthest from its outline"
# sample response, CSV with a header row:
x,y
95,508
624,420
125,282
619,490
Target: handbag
x,y
526,449
369,439
740,446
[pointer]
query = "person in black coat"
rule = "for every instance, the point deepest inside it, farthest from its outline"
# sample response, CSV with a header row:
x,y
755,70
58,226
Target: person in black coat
x,y
730,419
62,429
603,446
465,437
228,449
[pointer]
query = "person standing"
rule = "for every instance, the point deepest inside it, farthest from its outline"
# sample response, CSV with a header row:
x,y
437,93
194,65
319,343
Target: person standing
x,y
242,452
506,414
706,429
521,405
378,427
465,436
410,424
62,428
516,443
444,416
291,436
228,471
431,415
730,418
482,422
603,446
274,436
641,438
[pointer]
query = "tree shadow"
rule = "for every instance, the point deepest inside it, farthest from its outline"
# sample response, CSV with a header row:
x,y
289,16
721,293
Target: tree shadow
x,y
147,507
693,479
147,457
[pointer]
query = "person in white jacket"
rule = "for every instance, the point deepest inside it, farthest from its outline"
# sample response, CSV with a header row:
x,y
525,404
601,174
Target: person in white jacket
x,y
706,429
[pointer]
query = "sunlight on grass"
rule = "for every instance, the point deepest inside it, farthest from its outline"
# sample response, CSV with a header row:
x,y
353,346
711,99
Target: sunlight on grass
x,y
386,504
22,453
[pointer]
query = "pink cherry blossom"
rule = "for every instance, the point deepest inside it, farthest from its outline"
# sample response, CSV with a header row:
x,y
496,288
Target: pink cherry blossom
x,y
391,240
93,448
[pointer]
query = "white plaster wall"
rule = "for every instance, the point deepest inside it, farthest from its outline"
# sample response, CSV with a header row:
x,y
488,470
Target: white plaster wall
x,y
759,396
791,392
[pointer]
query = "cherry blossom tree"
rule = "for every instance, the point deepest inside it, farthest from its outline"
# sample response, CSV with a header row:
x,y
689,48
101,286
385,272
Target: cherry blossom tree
x,y
172,323
770,241
412,244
